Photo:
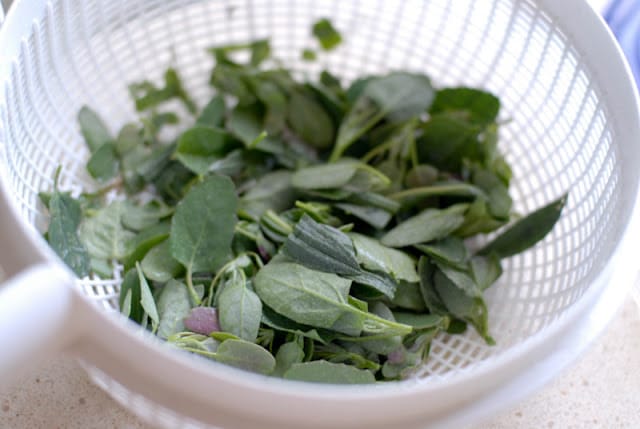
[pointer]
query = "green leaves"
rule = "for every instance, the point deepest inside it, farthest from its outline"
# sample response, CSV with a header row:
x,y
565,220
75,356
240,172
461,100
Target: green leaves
x,y
309,231
351,175
431,224
374,256
65,215
321,247
293,290
202,226
310,121
325,293
95,132
103,164
104,235
397,96
240,308
326,34
173,307
148,96
527,231
478,106
327,372
245,355
199,147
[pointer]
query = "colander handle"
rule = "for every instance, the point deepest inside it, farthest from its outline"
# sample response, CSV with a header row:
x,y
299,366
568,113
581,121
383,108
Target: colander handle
x,y
36,307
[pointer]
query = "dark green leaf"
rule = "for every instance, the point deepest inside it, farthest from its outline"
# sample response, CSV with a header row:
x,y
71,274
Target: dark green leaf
x,y
137,218
246,123
408,296
462,279
199,147
447,140
281,323
155,162
449,250
245,355
288,354
147,301
272,191
499,202
352,175
478,220
486,270
325,176
172,182
203,224
213,113
421,175
309,55
101,268
93,129
481,107
173,306
375,200
455,189
527,231
231,80
293,290
374,256
144,241
308,119
326,34
380,282
104,235
260,51
397,96
129,138
275,102
130,287
276,227
427,287
421,321
148,96
158,264
321,247
430,224
321,371
462,305
378,344
374,216
239,308
65,215
103,163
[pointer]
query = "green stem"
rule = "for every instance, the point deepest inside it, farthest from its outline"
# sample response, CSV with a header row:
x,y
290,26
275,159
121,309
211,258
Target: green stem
x,y
461,189
200,352
380,149
384,326
192,291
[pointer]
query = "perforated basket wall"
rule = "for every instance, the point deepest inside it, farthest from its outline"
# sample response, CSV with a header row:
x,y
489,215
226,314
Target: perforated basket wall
x,y
557,132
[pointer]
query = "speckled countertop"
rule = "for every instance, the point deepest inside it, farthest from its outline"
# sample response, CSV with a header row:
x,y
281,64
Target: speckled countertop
x,y
601,390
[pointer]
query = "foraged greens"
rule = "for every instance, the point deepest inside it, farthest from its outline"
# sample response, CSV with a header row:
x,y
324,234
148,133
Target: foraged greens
x,y
301,229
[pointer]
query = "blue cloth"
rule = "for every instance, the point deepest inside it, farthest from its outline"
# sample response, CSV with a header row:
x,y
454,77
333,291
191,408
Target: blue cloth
x,y
623,16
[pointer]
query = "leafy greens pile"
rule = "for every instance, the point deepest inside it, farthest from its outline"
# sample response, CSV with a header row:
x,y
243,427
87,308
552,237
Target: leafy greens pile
x,y
305,230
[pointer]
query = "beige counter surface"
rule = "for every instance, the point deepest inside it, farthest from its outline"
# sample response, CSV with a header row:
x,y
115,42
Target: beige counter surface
x,y
601,390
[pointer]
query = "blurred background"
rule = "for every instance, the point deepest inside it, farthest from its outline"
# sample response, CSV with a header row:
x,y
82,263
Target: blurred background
x,y
623,16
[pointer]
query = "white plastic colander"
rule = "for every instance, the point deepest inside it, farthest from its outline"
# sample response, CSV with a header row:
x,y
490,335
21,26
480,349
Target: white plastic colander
x,y
573,124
